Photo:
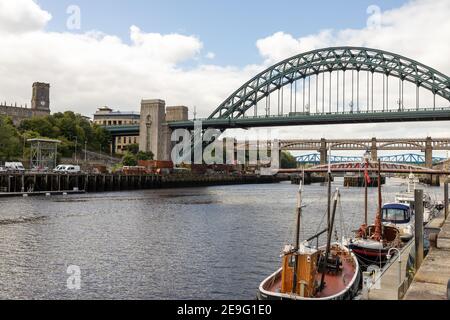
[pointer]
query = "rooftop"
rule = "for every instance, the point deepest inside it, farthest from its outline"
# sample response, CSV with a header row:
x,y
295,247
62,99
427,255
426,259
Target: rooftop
x,y
105,111
44,140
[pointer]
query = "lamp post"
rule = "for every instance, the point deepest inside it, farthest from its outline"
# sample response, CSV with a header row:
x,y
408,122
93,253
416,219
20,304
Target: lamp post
x,y
76,145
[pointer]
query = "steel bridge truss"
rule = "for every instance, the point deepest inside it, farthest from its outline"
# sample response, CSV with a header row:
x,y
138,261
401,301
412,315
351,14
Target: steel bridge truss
x,y
331,86
303,67
413,159
366,144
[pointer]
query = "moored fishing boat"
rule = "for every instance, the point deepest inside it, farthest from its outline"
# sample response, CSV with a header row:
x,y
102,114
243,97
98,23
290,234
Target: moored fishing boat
x,y
341,276
372,243
329,272
372,247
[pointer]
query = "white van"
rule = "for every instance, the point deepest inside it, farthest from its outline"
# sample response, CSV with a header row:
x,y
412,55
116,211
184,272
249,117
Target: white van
x,y
67,168
14,166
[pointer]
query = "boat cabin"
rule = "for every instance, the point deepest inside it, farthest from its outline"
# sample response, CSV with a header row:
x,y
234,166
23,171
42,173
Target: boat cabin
x,y
306,271
396,213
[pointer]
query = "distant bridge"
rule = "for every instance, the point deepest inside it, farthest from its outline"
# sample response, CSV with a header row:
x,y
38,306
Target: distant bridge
x,y
426,145
409,158
373,167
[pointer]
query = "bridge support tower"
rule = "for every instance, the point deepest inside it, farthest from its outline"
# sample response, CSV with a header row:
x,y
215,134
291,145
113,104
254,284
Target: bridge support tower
x,y
323,152
374,150
155,133
429,153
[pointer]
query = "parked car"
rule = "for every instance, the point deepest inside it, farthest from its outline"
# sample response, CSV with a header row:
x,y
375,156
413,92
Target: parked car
x,y
3,170
14,166
67,168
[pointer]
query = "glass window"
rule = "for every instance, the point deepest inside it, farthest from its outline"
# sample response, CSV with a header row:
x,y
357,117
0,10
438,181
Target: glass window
x,y
394,215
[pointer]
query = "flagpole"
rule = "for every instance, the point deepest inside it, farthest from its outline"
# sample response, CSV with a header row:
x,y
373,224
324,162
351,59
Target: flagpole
x,y
329,188
365,202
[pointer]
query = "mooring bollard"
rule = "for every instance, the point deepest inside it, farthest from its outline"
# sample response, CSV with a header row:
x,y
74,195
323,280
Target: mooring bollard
x,y
418,196
446,198
448,290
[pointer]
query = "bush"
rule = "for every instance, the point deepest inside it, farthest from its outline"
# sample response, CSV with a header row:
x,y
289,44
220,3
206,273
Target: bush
x,y
129,160
141,155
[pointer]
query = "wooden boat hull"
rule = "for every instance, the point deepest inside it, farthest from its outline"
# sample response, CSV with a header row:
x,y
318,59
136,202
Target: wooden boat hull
x,y
372,252
367,256
348,292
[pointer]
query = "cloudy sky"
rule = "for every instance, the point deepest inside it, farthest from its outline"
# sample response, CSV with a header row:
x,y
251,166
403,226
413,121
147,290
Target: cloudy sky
x,y
196,53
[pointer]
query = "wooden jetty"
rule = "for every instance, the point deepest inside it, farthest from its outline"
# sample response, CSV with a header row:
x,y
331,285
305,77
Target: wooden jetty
x,y
40,193
53,183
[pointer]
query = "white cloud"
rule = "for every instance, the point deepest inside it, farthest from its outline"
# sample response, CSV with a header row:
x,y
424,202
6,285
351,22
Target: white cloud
x,y
172,48
210,55
22,16
93,69
419,29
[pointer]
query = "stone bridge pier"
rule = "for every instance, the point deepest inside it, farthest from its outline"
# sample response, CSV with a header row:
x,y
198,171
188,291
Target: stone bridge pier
x,y
323,152
155,133
428,153
374,150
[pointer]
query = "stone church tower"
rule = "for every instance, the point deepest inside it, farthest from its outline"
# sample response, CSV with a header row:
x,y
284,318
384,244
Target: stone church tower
x,y
40,105
40,99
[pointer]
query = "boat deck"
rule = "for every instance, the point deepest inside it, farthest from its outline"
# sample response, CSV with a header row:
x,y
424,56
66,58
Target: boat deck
x,y
334,283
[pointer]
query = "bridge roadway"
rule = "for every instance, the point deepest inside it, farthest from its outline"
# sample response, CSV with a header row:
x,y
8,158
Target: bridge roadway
x,y
302,119
373,167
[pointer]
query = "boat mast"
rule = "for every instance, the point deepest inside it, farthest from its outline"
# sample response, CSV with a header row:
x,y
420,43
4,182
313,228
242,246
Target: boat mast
x,y
299,213
365,190
329,189
330,233
378,226
297,236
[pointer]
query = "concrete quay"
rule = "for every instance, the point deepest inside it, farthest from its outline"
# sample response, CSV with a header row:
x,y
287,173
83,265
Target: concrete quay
x,y
431,280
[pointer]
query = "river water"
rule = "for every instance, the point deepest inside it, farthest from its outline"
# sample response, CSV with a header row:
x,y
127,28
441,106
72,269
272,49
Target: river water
x,y
196,243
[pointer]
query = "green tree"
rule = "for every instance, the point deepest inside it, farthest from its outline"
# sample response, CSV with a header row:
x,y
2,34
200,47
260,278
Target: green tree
x,y
129,160
10,140
69,127
139,155
287,160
